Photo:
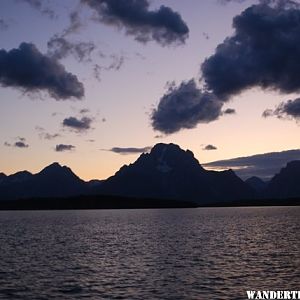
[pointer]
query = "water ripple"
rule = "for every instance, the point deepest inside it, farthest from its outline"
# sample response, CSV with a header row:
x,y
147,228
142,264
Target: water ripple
x,y
214,253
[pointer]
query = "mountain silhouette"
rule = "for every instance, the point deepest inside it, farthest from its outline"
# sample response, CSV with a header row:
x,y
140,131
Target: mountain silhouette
x,y
166,173
170,172
53,181
285,184
257,183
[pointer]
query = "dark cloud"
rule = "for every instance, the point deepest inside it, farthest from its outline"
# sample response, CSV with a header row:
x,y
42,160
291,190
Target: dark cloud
x,y
27,69
285,110
59,47
63,147
185,106
264,165
80,125
20,144
209,147
264,52
129,150
163,25
39,5
229,111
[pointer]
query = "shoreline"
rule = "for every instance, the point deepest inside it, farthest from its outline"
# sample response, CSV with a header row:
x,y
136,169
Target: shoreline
x,y
116,202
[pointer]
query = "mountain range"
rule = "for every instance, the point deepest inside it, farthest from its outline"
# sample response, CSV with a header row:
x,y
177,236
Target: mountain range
x,y
167,172
172,173
53,181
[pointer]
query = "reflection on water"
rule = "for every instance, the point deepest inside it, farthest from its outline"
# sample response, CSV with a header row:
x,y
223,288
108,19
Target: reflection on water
x,y
211,253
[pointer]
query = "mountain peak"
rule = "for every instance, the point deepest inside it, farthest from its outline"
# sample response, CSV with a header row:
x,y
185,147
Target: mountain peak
x,y
256,183
172,154
286,183
171,172
292,168
20,175
254,179
54,165
56,169
53,181
293,164
161,148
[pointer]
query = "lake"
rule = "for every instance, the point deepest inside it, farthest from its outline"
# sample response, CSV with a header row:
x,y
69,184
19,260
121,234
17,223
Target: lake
x,y
202,253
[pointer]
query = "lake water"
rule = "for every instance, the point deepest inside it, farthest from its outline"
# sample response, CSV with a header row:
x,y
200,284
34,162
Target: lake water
x,y
205,253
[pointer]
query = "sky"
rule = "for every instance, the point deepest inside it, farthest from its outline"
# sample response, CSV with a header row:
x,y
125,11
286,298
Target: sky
x,y
93,83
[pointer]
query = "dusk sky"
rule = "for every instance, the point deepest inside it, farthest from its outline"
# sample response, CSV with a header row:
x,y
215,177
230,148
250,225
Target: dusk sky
x,y
91,84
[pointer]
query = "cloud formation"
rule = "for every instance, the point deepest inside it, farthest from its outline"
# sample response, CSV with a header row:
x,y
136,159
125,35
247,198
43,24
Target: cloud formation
x,y
129,150
229,111
46,135
163,25
285,110
75,24
78,124
29,70
209,147
20,143
59,47
264,165
63,147
185,106
264,52
116,63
